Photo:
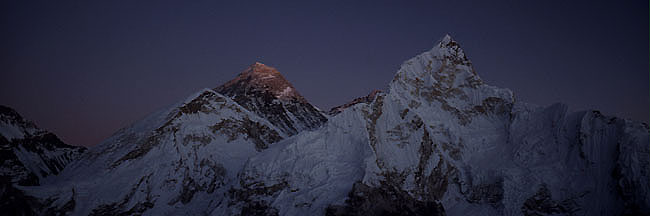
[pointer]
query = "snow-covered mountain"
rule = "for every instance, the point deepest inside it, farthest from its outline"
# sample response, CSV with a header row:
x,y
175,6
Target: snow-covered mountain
x,y
439,141
29,155
182,159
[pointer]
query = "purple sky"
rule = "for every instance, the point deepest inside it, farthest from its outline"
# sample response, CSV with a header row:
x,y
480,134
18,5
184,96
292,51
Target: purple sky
x,y
83,70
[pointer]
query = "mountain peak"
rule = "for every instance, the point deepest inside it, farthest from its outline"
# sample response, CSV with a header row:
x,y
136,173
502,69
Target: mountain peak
x,y
450,48
260,70
446,39
263,78
263,90
259,67
13,125
443,67
8,113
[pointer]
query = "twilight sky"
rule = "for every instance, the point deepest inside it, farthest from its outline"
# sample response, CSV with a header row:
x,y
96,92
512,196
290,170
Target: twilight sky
x,y
84,69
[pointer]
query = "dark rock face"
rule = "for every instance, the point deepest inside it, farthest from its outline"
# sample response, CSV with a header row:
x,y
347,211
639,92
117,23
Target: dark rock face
x,y
44,145
264,91
18,172
383,200
214,172
261,135
542,203
13,201
11,117
120,207
491,193
249,194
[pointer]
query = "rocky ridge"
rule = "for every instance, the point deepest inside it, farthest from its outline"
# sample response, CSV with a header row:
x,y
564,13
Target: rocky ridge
x,y
365,99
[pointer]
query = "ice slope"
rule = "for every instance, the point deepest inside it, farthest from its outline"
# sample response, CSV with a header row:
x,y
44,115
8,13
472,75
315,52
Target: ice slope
x,y
441,141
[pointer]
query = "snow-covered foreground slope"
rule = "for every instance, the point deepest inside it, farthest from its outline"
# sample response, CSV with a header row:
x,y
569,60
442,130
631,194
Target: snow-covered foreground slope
x,y
439,141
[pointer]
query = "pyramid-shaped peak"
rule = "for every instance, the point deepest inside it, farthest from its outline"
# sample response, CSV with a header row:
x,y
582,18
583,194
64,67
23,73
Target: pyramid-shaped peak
x,y
448,48
260,68
263,90
446,39
260,77
448,42
259,65
444,67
